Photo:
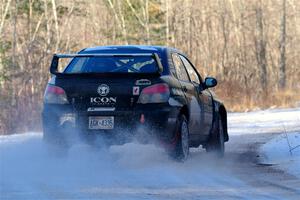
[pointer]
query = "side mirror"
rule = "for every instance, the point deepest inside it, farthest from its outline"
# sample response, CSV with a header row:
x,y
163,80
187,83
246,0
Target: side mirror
x,y
210,82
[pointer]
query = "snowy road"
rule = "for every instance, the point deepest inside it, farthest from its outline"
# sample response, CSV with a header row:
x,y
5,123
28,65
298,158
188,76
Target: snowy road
x,y
29,169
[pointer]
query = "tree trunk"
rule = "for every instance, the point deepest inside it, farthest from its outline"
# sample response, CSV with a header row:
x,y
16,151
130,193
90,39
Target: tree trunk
x,y
167,22
282,75
261,49
56,25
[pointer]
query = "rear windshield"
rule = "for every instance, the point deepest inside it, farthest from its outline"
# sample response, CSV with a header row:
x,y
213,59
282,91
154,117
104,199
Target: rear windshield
x,y
112,64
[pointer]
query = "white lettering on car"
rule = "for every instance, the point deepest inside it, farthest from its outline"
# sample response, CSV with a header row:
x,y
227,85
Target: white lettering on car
x,y
103,100
143,82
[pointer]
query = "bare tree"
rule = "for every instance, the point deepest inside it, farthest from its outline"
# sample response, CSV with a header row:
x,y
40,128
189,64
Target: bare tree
x,y
4,15
120,18
144,22
260,44
282,45
167,15
56,25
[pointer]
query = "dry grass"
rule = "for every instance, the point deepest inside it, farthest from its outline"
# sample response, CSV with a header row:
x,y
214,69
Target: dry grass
x,y
237,98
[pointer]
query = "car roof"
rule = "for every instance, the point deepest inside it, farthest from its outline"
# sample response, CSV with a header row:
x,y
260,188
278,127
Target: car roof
x,y
127,49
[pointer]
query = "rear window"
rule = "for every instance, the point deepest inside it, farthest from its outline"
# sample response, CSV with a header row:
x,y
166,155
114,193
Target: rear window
x,y
112,64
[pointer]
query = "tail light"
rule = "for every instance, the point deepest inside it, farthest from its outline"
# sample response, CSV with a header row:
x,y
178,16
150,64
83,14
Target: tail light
x,y
158,93
55,95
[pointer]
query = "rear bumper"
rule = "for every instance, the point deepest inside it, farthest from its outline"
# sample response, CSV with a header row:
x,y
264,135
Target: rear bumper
x,y
157,120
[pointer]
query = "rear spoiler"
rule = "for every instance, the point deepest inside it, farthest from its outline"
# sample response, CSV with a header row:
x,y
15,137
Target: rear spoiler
x,y
56,57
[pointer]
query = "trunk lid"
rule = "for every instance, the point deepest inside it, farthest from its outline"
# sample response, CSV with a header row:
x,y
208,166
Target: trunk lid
x,y
105,93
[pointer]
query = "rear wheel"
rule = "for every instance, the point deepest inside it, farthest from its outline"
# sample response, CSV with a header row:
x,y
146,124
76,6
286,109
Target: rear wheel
x,y
181,149
216,143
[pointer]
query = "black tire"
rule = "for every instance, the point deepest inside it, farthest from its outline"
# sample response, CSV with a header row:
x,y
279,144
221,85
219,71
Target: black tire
x,y
216,144
181,150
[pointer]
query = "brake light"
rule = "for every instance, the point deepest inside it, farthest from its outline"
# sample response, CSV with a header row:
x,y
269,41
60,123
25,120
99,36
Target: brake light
x,y
158,93
55,95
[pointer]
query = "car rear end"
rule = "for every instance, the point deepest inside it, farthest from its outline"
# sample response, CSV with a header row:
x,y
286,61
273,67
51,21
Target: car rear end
x,y
113,95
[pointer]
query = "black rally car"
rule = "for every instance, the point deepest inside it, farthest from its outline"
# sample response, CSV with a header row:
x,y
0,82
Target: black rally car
x,y
112,91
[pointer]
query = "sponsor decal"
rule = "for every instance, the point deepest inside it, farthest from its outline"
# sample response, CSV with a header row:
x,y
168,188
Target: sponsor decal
x,y
143,82
103,90
103,101
136,90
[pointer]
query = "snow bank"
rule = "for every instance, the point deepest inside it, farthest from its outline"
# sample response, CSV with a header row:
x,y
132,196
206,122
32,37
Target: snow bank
x,y
266,121
284,152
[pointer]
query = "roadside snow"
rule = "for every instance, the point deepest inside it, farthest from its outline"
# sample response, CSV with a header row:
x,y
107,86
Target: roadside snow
x,y
284,152
276,151
265,121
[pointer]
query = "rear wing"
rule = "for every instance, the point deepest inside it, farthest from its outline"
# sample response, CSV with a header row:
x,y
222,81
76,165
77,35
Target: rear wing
x,y
56,57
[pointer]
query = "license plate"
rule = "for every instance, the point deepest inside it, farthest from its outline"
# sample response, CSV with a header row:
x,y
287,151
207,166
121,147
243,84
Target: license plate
x,y
101,122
